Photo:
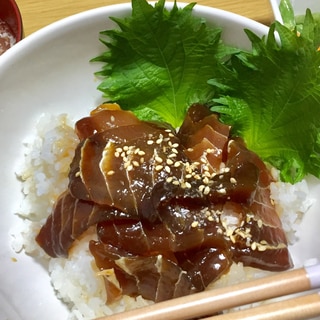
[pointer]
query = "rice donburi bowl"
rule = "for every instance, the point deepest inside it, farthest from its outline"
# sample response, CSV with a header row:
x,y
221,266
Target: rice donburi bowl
x,y
63,97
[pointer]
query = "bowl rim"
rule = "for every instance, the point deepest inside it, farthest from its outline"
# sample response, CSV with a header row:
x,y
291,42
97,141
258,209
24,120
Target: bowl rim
x,y
199,9
276,11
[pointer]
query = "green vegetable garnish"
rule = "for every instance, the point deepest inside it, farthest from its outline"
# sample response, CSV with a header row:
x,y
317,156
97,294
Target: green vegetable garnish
x,y
159,62
297,22
287,14
272,99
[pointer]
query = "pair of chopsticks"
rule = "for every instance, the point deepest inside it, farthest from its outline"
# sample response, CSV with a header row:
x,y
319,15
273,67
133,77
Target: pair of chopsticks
x,y
210,302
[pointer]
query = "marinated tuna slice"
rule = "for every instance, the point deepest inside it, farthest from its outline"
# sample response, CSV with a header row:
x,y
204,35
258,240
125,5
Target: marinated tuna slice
x,y
201,255
251,180
205,265
172,210
120,166
157,278
268,243
154,277
104,117
71,217
204,137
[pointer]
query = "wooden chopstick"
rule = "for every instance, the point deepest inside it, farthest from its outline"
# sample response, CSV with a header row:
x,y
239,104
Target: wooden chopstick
x,y
212,301
300,308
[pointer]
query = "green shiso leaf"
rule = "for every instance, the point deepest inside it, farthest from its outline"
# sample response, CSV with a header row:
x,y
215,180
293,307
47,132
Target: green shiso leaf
x,y
158,62
272,99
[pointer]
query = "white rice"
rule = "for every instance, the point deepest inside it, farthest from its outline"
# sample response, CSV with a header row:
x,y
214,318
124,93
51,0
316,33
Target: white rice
x,y
43,172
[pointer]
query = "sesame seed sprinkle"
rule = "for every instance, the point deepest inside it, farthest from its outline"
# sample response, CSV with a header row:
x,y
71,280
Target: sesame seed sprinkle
x,y
169,162
233,180
194,224
177,164
158,159
206,190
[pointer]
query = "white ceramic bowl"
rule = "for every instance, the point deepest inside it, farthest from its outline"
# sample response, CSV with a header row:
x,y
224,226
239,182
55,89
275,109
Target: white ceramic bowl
x,y
299,7
49,71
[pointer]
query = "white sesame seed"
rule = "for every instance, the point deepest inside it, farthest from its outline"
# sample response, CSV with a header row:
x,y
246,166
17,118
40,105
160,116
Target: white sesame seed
x,y
206,190
222,191
172,155
159,167
253,246
207,174
205,168
150,142
110,173
188,185
167,168
169,162
233,180
158,159
194,224
135,163
261,247
205,180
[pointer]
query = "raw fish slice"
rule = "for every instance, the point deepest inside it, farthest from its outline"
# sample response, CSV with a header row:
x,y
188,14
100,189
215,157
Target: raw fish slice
x,y
104,117
154,277
119,166
70,218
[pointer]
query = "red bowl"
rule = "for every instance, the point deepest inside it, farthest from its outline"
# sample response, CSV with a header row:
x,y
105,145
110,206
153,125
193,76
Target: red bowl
x,y
10,14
